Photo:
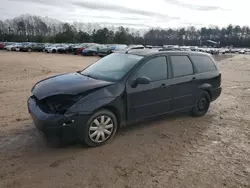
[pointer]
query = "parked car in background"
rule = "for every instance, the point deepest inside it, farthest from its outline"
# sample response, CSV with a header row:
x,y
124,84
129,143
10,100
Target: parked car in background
x,y
106,51
47,46
32,47
17,47
110,49
247,51
242,51
71,47
54,48
91,51
2,45
234,50
222,50
10,47
37,47
24,47
78,49
63,49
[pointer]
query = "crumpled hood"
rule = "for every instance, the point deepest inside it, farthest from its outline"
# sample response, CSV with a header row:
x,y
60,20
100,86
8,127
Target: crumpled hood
x,y
71,84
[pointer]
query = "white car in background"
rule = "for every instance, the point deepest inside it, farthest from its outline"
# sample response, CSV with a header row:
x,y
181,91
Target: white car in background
x,y
222,51
242,51
11,47
54,48
247,51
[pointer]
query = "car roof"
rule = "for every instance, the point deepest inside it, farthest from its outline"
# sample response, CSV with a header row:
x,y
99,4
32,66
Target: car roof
x,y
150,52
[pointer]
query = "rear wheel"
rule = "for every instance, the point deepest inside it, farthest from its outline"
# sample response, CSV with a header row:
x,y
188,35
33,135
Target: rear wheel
x,y
101,127
53,51
202,105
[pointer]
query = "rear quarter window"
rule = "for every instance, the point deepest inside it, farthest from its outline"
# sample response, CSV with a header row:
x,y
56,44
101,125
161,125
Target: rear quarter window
x,y
203,63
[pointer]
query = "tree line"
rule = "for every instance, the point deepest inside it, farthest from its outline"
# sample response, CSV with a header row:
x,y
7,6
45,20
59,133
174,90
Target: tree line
x,y
38,29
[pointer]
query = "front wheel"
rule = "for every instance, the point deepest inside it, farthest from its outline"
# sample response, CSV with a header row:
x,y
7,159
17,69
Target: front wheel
x,y
101,127
202,105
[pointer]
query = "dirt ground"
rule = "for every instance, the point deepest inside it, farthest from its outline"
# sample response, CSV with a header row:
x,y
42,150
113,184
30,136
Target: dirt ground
x,y
177,151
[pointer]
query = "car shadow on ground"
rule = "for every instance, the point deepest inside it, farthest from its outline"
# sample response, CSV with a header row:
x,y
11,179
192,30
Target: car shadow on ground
x,y
169,131
161,144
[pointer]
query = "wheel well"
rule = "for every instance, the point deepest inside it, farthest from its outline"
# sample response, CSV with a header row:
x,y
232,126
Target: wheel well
x,y
115,112
209,92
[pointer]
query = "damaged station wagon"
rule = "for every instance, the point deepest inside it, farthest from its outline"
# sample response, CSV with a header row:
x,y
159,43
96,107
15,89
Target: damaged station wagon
x,y
120,89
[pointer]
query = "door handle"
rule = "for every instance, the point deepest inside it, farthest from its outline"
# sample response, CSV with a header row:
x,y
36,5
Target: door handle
x,y
194,78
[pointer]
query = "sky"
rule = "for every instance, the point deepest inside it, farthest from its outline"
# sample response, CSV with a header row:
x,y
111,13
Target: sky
x,y
134,13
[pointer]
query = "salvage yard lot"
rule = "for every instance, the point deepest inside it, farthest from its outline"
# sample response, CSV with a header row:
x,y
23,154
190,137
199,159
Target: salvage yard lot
x,y
177,151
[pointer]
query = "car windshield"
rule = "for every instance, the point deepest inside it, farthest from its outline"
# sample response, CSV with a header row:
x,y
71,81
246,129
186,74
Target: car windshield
x,y
112,67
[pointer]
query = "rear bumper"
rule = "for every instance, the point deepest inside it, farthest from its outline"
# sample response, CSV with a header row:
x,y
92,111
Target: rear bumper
x,y
56,126
215,93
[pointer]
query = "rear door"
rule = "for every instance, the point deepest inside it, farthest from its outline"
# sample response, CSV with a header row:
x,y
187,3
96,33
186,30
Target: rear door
x,y
151,99
184,82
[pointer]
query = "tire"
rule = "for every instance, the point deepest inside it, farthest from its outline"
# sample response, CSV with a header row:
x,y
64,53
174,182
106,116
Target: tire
x,y
202,105
53,51
90,131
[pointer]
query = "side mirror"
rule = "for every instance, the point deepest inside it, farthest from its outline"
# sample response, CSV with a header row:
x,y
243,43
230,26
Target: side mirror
x,y
141,80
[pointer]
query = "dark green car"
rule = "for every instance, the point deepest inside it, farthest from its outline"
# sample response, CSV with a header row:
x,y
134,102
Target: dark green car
x,y
32,47
110,49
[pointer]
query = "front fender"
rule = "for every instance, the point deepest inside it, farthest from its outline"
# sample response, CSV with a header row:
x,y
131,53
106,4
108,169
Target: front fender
x,y
90,106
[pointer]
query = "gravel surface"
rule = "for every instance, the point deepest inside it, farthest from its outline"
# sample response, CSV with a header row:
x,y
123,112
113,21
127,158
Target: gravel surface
x,y
175,151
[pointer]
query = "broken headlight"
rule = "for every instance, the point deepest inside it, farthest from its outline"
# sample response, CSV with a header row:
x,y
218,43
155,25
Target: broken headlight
x,y
60,103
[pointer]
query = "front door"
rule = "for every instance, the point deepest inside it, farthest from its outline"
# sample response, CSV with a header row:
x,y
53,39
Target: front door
x,y
147,100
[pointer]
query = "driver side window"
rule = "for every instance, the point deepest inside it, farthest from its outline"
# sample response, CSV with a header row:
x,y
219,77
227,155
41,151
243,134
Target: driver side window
x,y
155,69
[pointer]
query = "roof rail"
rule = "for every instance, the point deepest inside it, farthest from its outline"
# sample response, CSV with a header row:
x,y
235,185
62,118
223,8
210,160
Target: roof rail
x,y
135,48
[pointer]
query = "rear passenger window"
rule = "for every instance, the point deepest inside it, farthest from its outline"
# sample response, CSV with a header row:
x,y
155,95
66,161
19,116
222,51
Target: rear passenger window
x,y
181,65
203,63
